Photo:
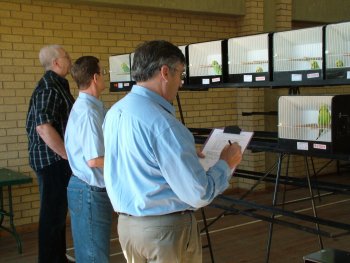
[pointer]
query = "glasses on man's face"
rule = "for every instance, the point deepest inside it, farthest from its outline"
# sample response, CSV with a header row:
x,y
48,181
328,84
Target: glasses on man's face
x,y
183,74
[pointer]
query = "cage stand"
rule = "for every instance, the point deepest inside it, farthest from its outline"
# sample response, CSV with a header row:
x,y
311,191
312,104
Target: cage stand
x,y
294,90
206,227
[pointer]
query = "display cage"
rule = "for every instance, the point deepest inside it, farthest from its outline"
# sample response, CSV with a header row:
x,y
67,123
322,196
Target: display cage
x,y
120,73
205,63
298,56
337,51
249,59
314,123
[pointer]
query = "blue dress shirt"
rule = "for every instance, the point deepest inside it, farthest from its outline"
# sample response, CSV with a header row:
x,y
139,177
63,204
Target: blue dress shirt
x,y
151,165
84,138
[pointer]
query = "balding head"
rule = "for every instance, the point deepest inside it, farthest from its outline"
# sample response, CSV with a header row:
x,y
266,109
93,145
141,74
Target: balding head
x,y
48,54
55,58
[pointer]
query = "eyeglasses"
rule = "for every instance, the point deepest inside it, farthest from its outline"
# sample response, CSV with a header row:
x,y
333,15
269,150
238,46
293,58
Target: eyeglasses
x,y
183,74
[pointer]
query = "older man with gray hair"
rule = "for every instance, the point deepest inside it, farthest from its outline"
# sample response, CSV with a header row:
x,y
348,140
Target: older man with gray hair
x,y
48,112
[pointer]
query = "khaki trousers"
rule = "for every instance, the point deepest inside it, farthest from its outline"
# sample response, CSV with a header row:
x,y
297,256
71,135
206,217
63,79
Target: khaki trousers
x,y
172,238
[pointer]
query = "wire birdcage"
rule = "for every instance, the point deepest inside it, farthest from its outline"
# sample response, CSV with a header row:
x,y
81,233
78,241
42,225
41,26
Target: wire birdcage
x,y
318,123
337,51
205,59
248,54
298,56
299,118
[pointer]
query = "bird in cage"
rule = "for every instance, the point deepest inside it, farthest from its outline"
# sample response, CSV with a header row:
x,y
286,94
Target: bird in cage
x,y
339,63
314,64
125,68
324,119
259,69
216,66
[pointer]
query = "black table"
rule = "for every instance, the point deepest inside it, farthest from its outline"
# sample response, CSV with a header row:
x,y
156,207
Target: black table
x,y
9,178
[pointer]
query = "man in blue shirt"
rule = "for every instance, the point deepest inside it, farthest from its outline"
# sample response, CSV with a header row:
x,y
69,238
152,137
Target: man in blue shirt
x,y
152,172
88,202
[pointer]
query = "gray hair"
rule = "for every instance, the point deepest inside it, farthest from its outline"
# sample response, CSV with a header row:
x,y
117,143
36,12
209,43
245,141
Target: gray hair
x,y
150,56
47,54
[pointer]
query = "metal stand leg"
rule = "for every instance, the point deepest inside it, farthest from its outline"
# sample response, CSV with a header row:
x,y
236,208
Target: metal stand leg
x,y
273,167
312,199
280,157
315,178
207,235
285,185
2,211
180,108
338,167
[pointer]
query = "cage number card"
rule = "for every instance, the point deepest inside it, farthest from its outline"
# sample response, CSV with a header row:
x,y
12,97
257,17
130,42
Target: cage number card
x,y
217,140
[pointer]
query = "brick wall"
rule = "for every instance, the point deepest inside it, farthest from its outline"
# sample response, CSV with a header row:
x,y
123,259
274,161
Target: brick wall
x,y
253,21
283,15
26,26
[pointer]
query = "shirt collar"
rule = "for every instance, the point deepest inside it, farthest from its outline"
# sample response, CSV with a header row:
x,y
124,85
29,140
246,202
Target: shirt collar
x,y
51,72
62,80
153,96
92,99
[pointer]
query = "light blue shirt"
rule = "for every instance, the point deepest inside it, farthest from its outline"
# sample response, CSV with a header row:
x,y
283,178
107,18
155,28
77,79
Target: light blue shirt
x,y
151,165
84,138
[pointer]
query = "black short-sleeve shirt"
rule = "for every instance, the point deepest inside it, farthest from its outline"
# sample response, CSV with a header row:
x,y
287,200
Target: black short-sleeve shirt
x,y
51,102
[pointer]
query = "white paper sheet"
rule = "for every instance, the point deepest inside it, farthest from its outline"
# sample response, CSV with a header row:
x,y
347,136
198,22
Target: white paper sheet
x,y
217,141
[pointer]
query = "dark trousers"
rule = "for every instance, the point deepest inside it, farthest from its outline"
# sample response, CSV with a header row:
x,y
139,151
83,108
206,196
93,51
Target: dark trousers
x,y
53,182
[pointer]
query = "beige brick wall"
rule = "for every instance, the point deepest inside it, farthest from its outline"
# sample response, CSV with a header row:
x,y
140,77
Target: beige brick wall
x,y
253,21
283,15
27,25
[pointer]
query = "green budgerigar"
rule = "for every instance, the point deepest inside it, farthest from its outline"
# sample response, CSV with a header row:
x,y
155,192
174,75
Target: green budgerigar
x,y
216,66
259,70
324,119
314,64
339,63
125,67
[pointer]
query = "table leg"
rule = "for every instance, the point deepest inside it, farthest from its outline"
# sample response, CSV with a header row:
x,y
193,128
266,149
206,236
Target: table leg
x,y
280,158
3,213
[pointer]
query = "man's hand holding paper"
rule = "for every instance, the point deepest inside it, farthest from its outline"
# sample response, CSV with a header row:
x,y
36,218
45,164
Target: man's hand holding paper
x,y
217,147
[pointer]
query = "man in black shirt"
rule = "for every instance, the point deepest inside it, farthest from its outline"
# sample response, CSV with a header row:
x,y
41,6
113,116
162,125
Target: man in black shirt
x,y
47,118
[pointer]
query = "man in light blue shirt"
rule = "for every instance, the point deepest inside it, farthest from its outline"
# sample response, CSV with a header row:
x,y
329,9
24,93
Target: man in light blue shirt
x,y
88,202
152,172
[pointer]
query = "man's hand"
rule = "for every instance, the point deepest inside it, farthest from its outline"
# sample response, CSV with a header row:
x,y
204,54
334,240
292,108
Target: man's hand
x,y
231,154
97,162
200,154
